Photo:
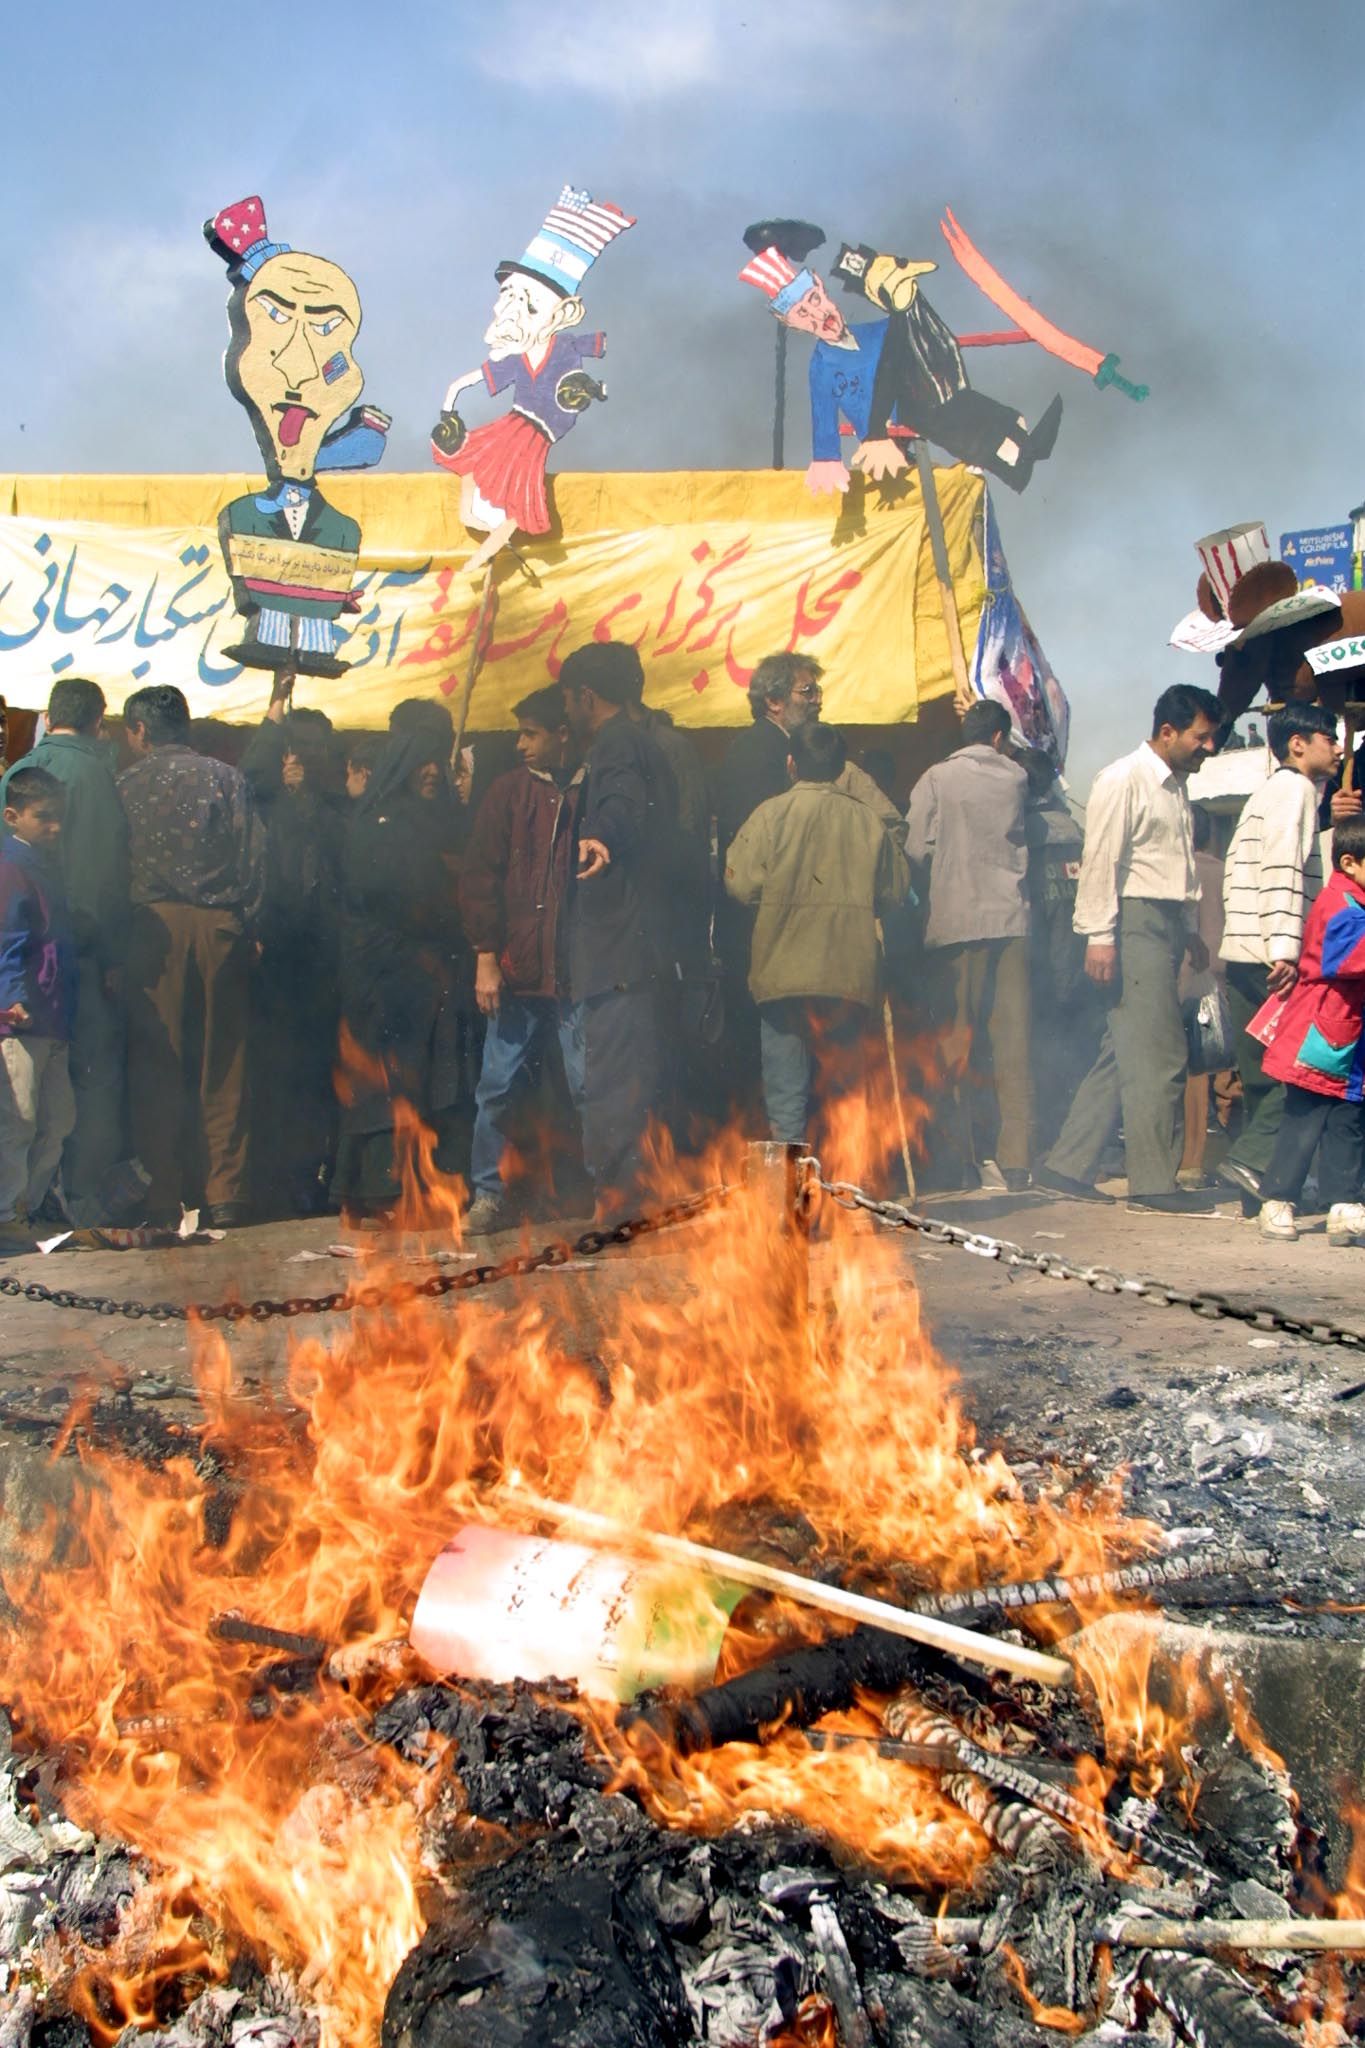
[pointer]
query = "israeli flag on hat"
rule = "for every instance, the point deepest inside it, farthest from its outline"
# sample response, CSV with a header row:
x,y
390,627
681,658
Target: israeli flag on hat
x,y
576,231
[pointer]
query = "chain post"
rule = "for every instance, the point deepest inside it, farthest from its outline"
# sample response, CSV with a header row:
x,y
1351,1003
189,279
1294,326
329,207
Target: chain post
x,y
776,1177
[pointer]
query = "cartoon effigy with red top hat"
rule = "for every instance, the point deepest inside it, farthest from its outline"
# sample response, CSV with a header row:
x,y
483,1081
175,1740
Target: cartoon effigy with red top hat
x,y
290,361
534,354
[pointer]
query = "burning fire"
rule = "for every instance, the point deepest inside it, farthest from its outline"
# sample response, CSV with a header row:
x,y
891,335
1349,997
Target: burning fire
x,y
699,1408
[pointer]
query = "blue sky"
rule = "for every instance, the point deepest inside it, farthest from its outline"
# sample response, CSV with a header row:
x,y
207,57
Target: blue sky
x,y
1174,179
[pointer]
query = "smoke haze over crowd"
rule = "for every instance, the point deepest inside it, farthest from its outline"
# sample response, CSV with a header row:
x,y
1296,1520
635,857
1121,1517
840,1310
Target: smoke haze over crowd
x,y
1175,183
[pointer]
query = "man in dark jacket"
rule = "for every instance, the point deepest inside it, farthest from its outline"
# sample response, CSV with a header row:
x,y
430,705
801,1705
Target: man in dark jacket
x,y
197,860
92,858
513,890
620,929
292,765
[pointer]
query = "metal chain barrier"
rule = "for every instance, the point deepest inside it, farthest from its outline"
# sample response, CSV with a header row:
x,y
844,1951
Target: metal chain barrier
x,y
1160,1293
438,1284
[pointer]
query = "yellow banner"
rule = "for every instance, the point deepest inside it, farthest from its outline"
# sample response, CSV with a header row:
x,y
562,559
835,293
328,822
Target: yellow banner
x,y
122,579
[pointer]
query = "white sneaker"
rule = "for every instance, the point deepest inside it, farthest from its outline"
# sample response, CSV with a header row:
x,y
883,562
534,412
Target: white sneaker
x,y
1277,1220
992,1177
1345,1222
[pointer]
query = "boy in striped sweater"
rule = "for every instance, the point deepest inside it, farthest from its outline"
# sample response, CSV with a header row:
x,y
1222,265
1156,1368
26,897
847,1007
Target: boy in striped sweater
x,y
1273,874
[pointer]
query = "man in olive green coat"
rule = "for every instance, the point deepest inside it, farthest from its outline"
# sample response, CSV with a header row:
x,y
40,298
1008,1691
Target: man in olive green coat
x,y
820,867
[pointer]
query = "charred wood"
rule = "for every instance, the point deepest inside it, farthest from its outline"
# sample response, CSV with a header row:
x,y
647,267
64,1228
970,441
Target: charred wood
x,y
795,1689
1153,1575
1210,2006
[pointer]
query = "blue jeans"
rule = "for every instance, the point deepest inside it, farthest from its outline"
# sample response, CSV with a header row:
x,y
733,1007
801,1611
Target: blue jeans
x,y
793,1034
512,1036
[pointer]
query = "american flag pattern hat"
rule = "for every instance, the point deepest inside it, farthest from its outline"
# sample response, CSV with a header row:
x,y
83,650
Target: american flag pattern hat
x,y
775,277
575,232
239,231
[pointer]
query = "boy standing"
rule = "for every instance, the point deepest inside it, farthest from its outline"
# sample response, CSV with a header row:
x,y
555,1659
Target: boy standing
x,y
37,1001
1318,1051
513,889
1273,874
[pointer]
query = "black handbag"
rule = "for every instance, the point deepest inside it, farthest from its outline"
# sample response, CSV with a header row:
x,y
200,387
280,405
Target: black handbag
x,y
1209,1037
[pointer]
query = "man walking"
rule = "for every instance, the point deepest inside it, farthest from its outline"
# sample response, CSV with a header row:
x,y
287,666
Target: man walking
x,y
197,855
1273,874
1136,907
966,824
92,859
619,923
514,888
819,868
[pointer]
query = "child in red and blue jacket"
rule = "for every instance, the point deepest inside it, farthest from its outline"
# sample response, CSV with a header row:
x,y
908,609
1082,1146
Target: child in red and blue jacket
x,y
1318,1051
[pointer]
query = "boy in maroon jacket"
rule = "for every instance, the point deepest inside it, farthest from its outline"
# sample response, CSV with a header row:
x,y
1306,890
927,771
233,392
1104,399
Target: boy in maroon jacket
x,y
513,888
1318,1051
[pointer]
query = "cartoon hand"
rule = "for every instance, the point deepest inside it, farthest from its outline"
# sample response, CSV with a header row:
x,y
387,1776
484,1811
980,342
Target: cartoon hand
x,y
448,434
879,459
826,476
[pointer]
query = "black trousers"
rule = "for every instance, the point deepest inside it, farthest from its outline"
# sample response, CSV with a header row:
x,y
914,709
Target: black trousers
x,y
1309,1121
620,1090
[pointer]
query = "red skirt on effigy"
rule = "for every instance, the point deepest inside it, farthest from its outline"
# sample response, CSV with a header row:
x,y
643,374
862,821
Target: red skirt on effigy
x,y
506,460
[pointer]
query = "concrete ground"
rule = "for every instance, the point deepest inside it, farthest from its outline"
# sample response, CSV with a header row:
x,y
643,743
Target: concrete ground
x,y
969,1301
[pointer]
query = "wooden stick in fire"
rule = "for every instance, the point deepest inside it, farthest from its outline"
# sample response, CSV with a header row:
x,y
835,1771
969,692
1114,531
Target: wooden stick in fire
x,y
1192,1937
972,1647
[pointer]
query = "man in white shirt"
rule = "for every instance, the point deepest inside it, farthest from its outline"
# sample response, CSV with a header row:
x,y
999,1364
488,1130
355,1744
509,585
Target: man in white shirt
x,y
1273,872
1136,908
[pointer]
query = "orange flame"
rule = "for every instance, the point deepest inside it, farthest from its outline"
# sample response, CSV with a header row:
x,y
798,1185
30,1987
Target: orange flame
x,y
701,1407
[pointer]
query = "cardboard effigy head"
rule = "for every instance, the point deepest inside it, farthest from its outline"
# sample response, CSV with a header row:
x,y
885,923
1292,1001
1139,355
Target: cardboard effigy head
x,y
796,295
294,319
540,291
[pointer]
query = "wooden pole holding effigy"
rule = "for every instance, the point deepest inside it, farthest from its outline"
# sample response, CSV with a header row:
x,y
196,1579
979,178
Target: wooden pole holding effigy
x,y
780,399
938,542
471,674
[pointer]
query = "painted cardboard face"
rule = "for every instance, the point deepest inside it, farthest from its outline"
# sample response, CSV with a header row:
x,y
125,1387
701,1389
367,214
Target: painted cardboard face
x,y
527,314
816,314
291,365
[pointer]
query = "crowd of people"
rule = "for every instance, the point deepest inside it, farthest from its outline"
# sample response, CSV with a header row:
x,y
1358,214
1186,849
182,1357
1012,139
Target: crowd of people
x,y
279,987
